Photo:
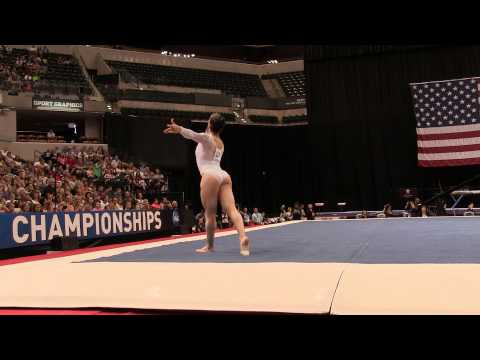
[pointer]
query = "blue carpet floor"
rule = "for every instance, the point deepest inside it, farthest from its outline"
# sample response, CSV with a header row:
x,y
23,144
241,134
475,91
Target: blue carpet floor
x,y
396,241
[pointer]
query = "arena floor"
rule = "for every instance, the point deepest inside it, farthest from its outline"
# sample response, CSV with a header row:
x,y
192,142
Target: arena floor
x,y
375,266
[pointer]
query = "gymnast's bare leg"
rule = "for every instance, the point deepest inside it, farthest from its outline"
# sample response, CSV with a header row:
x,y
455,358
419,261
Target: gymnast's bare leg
x,y
228,204
216,184
209,187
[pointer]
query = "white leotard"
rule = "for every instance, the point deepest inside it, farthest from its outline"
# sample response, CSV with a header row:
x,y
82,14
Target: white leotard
x,y
207,155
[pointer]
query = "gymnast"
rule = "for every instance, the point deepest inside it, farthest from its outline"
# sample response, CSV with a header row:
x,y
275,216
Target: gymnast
x,y
216,184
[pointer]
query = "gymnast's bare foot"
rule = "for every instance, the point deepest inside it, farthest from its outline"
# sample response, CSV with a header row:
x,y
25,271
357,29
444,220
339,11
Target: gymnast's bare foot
x,y
205,249
244,246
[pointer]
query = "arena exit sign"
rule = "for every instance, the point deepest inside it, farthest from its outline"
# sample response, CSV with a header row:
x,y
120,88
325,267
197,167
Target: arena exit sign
x,y
57,105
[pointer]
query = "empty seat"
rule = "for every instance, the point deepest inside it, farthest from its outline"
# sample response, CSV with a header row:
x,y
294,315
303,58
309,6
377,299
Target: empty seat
x,y
292,83
263,119
230,83
294,119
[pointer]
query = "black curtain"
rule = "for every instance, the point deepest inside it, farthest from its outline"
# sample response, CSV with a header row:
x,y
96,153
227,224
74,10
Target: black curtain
x,y
269,166
362,124
324,52
141,138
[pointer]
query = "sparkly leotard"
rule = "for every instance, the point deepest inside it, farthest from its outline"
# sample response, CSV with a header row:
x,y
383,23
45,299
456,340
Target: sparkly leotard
x,y
207,155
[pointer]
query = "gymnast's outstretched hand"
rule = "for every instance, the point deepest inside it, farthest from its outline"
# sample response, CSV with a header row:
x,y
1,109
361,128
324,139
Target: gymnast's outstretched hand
x,y
172,128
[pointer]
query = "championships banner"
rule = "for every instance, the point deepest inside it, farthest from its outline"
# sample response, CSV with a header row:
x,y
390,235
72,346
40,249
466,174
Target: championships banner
x,y
24,229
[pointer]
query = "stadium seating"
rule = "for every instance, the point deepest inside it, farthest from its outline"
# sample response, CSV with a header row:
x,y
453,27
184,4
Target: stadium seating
x,y
109,92
70,73
63,74
228,82
292,83
263,119
294,119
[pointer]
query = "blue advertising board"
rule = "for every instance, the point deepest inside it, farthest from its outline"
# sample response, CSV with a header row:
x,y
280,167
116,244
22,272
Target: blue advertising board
x,y
25,229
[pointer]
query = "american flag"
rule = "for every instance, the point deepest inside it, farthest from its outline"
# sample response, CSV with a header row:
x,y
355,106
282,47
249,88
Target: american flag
x,y
448,122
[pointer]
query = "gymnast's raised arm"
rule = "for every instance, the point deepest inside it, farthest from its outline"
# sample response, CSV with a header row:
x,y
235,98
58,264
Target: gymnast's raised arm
x,y
173,128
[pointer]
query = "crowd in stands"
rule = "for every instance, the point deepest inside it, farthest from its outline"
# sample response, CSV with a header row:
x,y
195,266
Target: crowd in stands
x,y
37,70
91,179
23,70
78,180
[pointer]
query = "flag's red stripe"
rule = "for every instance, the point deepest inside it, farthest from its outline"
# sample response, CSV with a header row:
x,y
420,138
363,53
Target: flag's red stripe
x,y
446,136
448,149
454,162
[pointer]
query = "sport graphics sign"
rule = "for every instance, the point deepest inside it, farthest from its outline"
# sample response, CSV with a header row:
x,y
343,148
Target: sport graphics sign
x,y
23,229
57,105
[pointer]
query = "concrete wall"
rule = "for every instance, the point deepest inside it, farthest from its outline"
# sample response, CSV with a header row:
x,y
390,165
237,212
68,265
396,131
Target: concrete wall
x,y
89,53
8,126
27,151
94,106
167,88
22,101
169,106
278,113
288,66
99,63
93,127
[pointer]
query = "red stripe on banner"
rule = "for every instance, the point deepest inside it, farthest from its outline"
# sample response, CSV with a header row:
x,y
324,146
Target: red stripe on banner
x,y
38,311
453,162
448,149
446,136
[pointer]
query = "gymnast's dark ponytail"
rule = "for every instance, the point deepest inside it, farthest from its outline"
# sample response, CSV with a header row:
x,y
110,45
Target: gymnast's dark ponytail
x,y
217,123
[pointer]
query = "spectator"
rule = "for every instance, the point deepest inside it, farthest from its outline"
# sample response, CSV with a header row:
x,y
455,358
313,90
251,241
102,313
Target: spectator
x,y
175,216
10,207
424,211
387,210
98,206
246,216
362,215
302,210
116,205
257,217
225,220
283,214
470,210
297,213
310,212
416,210
155,204
50,135
200,221
288,214
128,205
26,207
